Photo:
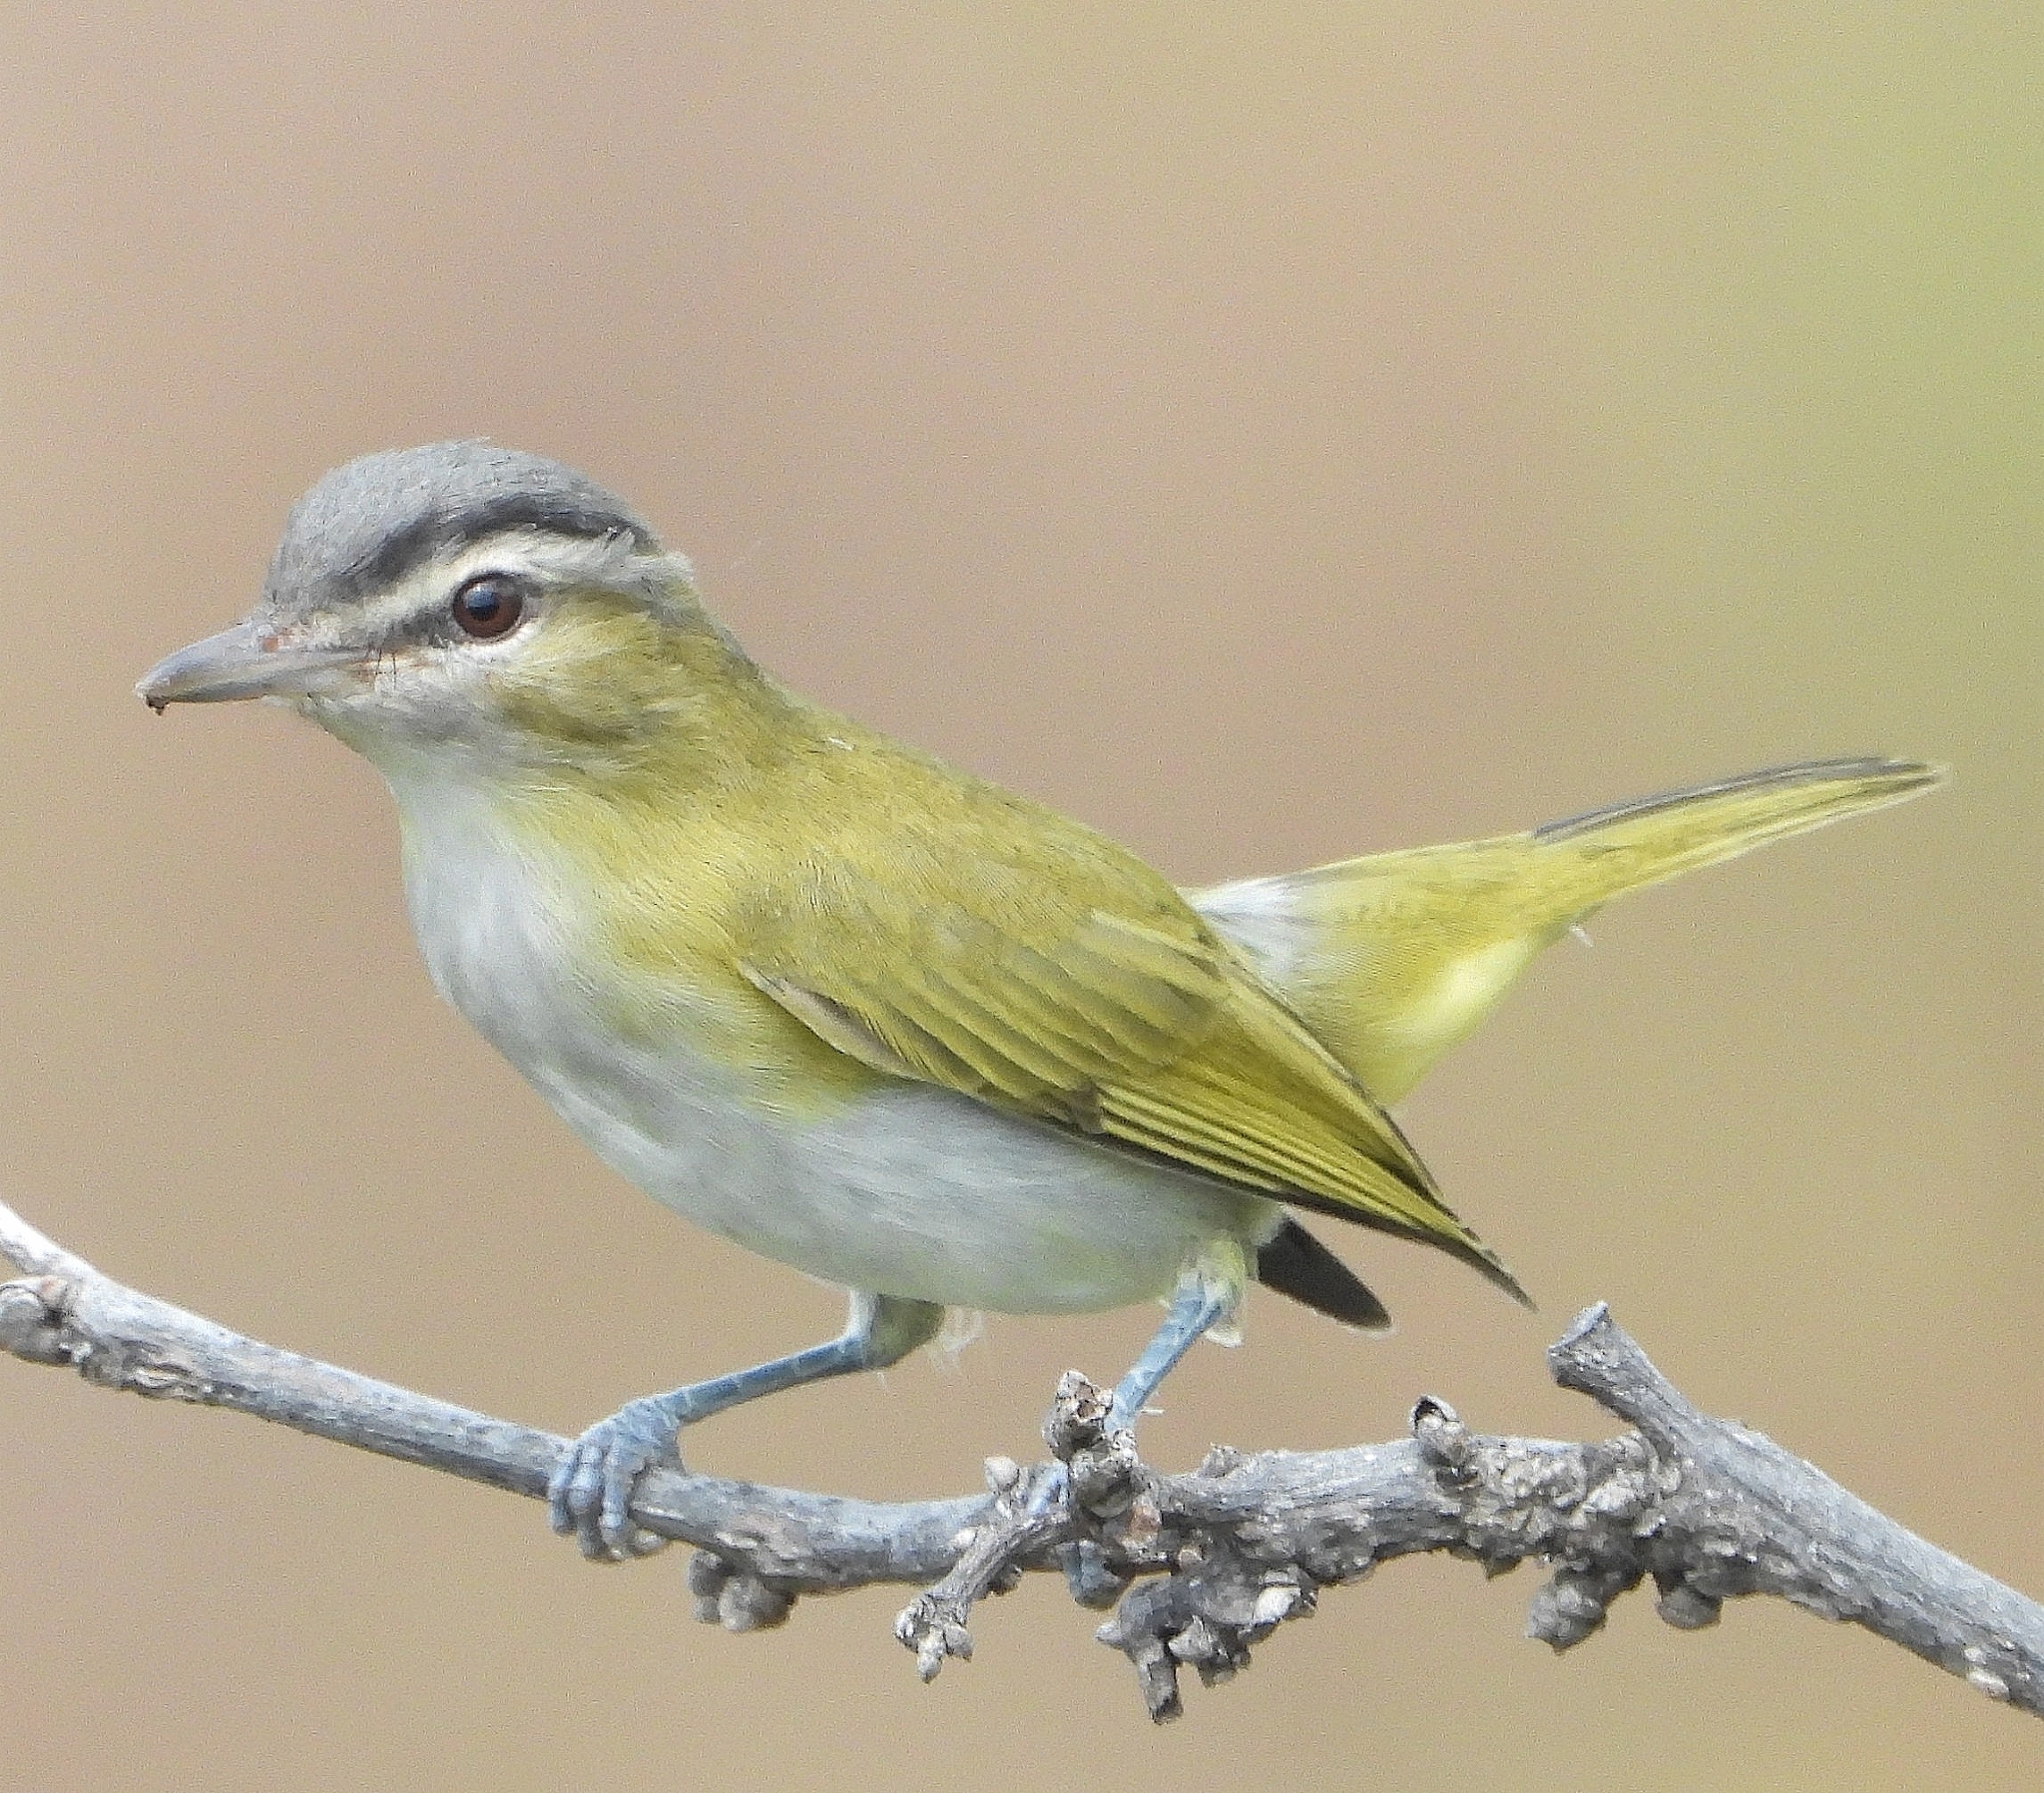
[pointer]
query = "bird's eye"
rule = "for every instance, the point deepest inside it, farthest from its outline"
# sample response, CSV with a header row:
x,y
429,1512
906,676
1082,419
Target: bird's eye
x,y
488,605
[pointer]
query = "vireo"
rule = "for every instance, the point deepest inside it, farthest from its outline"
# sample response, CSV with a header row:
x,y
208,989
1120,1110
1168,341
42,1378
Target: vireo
x,y
863,1012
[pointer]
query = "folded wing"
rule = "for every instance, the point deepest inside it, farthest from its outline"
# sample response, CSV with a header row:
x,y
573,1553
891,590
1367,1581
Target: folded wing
x,y
1109,1009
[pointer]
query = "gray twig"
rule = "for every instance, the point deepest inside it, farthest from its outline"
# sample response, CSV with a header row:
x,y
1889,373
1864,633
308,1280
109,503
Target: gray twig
x,y
1200,1567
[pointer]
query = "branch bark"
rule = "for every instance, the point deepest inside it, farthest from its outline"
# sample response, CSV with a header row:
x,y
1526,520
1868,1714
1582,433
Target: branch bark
x,y
1198,1567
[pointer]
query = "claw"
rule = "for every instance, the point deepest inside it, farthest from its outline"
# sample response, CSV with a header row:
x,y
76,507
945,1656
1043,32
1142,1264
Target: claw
x,y
589,1495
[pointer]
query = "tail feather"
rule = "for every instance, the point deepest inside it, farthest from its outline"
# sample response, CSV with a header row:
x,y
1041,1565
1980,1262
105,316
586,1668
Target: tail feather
x,y
1392,958
1626,846
1296,1264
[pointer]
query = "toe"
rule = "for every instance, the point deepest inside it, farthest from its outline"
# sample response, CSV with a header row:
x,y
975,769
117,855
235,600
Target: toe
x,y
575,1494
560,1515
614,1522
589,1494
1053,1488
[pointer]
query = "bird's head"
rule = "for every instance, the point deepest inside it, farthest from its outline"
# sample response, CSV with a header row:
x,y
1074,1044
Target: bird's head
x,y
467,603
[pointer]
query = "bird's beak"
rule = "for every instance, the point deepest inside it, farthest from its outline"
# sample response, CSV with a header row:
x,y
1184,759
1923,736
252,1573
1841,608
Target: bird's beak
x,y
250,659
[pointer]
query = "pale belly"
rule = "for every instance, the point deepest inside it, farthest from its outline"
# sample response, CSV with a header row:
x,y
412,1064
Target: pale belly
x,y
902,1190
905,1191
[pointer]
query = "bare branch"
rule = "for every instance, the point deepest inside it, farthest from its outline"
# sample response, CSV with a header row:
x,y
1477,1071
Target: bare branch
x,y
1199,1568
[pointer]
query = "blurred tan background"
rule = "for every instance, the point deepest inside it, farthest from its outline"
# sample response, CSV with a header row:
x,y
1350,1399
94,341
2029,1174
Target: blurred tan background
x,y
1269,437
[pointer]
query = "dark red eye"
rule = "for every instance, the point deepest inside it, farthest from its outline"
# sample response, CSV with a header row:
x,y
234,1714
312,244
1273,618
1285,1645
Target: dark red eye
x,y
488,605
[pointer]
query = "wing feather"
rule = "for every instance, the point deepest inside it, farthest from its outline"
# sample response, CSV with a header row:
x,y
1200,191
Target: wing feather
x,y
1129,1020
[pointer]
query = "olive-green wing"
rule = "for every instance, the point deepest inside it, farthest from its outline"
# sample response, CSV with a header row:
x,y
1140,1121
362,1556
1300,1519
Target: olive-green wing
x,y
1118,1014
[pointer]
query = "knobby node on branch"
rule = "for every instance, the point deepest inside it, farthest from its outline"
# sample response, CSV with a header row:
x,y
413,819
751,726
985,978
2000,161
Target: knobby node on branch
x,y
1197,1569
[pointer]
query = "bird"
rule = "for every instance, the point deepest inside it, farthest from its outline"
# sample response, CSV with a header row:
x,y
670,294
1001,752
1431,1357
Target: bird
x,y
865,1013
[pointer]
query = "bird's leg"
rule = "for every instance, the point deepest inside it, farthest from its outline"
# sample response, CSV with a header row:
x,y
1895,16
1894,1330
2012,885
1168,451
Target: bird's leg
x,y
1198,1303
590,1492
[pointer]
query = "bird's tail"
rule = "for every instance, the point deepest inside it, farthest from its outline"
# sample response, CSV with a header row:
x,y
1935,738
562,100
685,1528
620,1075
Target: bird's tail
x,y
1392,958
1626,846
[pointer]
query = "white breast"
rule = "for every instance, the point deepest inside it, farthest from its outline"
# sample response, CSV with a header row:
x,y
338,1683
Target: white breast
x,y
910,1191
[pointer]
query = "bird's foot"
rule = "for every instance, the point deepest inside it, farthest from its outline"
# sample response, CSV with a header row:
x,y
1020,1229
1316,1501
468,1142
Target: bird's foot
x,y
1093,1476
1051,1489
1093,1449
589,1496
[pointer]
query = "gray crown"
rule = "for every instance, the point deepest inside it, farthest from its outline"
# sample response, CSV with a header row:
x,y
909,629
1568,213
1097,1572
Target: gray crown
x,y
369,523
